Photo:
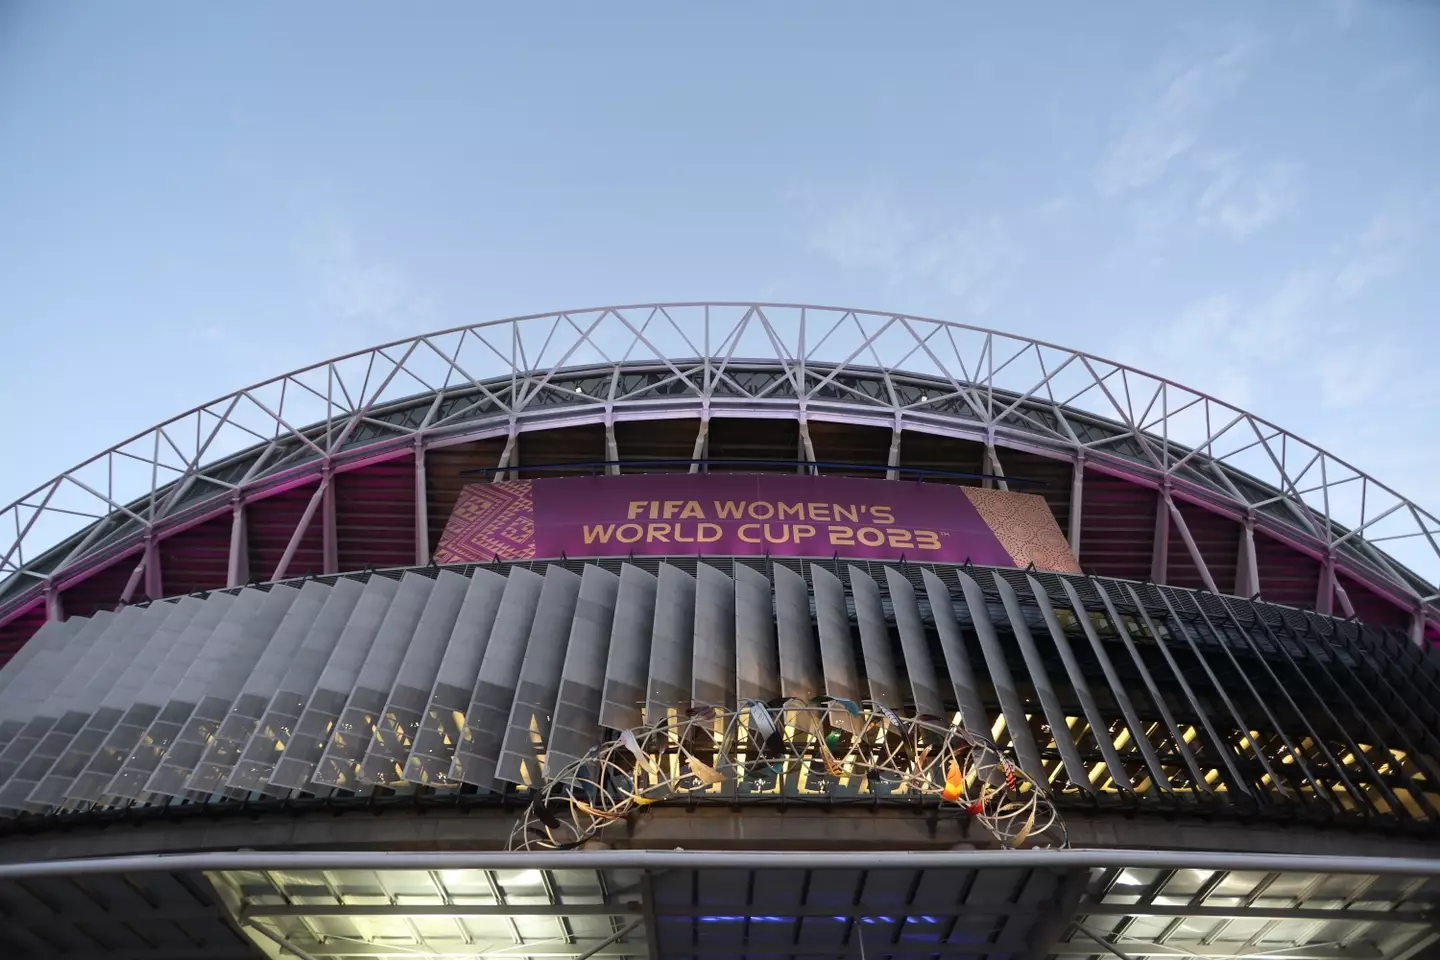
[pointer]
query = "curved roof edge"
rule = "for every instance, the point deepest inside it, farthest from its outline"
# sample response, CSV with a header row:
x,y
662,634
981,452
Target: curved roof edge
x,y
746,359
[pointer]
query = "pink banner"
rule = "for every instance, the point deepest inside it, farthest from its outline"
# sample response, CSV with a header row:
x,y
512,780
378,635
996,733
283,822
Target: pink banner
x,y
752,515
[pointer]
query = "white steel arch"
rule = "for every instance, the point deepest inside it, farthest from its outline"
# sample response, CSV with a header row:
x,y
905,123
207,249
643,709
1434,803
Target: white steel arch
x,y
745,359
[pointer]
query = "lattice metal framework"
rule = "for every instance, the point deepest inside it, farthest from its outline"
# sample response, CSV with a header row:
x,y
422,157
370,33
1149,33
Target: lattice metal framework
x,y
704,360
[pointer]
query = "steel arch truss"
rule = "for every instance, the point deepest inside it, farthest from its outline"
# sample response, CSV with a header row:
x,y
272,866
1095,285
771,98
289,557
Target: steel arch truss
x,y
697,360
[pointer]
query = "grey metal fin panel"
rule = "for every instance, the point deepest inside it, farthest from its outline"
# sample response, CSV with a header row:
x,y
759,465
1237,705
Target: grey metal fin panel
x,y
325,703
924,685
124,712
48,671
200,671
1156,697
956,658
479,748
223,750
800,674
1049,702
1021,739
339,764
443,724
49,788
713,666
52,634
275,730
112,693
672,644
1212,732
973,715
527,732
837,649
627,668
757,656
576,728
880,673
394,730
244,653
1117,687
1078,683
54,722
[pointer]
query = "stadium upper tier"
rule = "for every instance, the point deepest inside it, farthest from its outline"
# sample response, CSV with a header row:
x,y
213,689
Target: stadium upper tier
x,y
357,462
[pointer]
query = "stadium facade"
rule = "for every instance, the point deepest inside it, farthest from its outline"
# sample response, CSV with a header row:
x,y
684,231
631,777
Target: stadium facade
x,y
719,630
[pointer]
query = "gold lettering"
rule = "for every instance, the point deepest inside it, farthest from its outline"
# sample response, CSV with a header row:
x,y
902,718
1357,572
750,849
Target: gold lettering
x,y
841,536
629,532
868,536
899,538
803,531
927,540
882,514
680,534
851,513
784,533
692,511
729,509
635,509
819,511
672,507
791,510
599,532
740,532
659,532
763,510
712,528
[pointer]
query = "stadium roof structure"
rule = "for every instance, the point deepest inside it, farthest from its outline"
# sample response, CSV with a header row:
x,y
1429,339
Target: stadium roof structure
x,y
1300,526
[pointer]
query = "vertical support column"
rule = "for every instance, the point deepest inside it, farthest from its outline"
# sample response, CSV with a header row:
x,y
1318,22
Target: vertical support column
x,y
893,460
1077,502
54,610
612,449
330,548
1247,570
702,440
1160,554
154,586
1325,589
238,572
1417,627
422,507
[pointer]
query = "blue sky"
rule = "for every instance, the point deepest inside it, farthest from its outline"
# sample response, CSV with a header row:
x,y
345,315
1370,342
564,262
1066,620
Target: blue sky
x,y
1243,197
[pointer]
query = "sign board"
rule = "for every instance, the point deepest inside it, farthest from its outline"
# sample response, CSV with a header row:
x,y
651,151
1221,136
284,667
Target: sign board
x,y
752,515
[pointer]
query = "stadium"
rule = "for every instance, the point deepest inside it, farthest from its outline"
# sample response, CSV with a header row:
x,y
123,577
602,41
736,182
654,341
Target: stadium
x,y
719,630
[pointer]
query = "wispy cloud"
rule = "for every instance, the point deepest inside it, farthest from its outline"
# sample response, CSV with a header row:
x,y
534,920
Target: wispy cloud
x,y
1240,201
1386,246
874,230
1170,183
359,288
1231,348
1167,125
1343,12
